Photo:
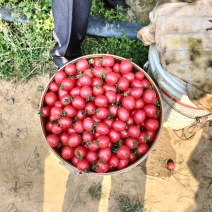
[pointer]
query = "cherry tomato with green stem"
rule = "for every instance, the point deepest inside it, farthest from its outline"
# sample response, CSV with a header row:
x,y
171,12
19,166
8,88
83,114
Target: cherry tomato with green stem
x,y
80,152
83,165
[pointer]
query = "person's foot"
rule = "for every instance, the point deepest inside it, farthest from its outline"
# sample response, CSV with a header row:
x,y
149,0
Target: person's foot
x,y
116,3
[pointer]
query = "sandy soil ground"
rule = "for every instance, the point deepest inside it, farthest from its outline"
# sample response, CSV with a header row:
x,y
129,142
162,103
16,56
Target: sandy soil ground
x,y
32,179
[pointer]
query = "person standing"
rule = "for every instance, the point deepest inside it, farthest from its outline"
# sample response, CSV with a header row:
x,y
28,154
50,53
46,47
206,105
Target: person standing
x,y
70,25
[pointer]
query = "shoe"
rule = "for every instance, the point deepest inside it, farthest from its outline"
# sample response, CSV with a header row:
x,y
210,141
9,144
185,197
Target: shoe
x,y
116,3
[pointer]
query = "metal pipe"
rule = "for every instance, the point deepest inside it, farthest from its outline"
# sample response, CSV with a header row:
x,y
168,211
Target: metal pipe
x,y
96,26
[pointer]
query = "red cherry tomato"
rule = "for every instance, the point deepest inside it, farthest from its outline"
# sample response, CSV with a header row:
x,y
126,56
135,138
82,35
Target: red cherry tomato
x,y
151,110
53,140
97,61
125,66
105,153
139,116
70,69
128,102
101,101
130,76
119,125
67,84
45,111
114,136
91,156
114,161
81,114
123,84
109,122
139,75
75,91
146,83
98,71
115,67
65,122
87,136
111,78
80,152
85,92
62,93
149,96
123,152
67,152
123,163
124,134
139,103
82,165
89,108
58,104
142,148
103,141
49,126
101,166
143,137
64,138
74,160
107,61
151,135
50,98
81,65
136,83
151,124
85,80
59,76
132,143
93,145
123,114
109,87
133,131
70,111
78,126
53,86
74,140
102,113
111,96
102,128
71,130
56,129
96,82
88,123
136,92
132,158
113,109
78,102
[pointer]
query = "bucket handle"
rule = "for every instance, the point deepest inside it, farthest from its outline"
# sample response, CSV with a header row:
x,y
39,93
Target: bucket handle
x,y
170,105
77,173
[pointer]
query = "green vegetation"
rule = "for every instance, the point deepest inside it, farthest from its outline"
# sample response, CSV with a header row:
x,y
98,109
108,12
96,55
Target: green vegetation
x,y
95,191
124,47
24,48
128,205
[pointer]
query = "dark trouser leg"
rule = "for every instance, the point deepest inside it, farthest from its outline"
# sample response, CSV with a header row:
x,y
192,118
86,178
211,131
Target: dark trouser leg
x,y
114,3
70,25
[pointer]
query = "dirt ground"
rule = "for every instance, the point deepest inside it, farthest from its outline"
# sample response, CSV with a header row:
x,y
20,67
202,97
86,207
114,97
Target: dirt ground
x,y
32,179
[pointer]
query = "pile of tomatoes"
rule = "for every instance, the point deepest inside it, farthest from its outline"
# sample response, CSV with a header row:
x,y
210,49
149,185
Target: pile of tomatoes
x,y
101,114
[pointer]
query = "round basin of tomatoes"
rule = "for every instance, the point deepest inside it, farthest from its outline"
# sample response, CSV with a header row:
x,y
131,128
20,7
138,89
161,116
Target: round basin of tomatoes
x,y
101,114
